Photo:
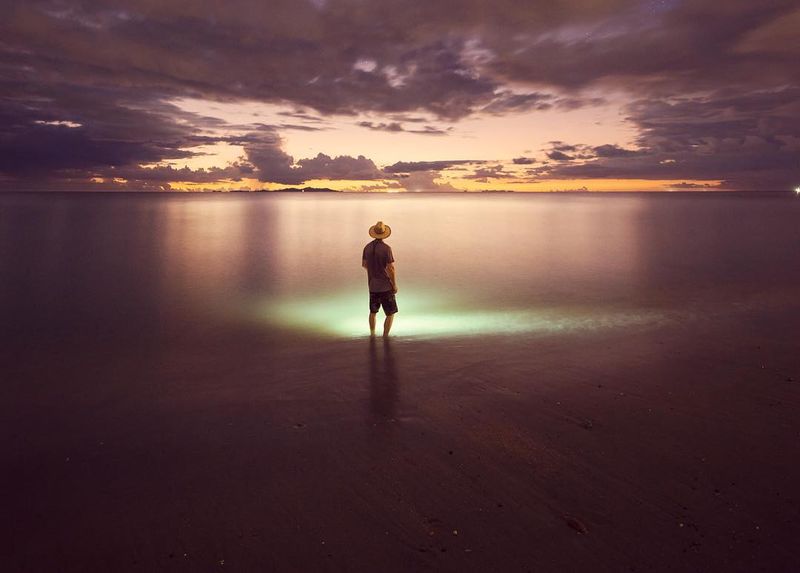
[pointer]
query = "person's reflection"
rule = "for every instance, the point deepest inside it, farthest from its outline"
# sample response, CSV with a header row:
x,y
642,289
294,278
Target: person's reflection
x,y
382,380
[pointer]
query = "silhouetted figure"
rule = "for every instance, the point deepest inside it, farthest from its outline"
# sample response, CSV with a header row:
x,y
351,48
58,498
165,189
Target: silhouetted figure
x,y
379,262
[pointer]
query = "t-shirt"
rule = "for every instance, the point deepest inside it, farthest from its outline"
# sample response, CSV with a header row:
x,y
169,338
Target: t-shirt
x,y
378,255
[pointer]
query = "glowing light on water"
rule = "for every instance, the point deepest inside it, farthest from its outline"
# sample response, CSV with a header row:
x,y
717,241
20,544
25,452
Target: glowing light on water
x,y
797,190
428,315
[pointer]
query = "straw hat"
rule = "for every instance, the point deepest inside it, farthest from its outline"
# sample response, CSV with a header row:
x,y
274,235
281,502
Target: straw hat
x,y
379,230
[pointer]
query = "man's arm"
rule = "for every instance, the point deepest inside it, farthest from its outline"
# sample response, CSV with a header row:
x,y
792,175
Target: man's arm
x,y
392,276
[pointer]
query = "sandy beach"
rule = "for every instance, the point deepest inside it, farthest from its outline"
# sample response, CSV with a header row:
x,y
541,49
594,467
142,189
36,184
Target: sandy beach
x,y
662,449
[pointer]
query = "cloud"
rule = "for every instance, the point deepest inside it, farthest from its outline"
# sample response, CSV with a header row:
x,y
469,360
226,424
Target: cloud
x,y
425,181
69,110
483,174
301,115
747,140
392,127
693,186
688,46
510,102
506,101
342,167
166,174
777,37
263,150
609,150
397,56
397,127
430,130
67,131
523,160
559,156
561,146
287,52
299,127
571,103
560,151
402,56
412,166
382,186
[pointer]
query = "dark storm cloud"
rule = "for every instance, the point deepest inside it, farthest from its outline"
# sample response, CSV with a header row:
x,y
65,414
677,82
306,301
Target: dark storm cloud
x,y
107,70
52,130
54,148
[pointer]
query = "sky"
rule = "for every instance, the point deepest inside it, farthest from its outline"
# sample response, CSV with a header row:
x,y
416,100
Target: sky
x,y
399,95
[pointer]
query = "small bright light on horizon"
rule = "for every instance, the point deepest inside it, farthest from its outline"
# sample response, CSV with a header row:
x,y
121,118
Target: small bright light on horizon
x,y
797,190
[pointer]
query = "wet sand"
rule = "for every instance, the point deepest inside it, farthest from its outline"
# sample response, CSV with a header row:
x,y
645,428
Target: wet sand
x,y
669,448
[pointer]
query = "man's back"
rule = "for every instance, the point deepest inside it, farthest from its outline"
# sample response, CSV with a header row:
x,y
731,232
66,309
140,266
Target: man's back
x,y
377,256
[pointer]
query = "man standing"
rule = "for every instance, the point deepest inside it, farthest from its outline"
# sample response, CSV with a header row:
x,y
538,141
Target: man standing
x,y
379,262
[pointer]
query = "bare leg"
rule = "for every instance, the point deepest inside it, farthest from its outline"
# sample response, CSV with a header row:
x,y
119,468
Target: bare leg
x,y
372,323
387,324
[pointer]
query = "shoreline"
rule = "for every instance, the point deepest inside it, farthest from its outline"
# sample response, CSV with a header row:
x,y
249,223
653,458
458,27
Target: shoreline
x,y
654,450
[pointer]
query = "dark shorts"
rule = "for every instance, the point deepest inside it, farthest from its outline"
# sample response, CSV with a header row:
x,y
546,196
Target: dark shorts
x,y
385,299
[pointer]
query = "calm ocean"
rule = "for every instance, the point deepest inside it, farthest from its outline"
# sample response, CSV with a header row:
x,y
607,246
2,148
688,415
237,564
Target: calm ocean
x,y
134,268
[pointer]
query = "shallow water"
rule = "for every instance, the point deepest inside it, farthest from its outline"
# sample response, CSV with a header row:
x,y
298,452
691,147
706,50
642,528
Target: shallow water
x,y
137,265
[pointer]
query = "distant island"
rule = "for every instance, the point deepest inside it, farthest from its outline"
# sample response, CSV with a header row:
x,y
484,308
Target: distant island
x,y
284,190
327,190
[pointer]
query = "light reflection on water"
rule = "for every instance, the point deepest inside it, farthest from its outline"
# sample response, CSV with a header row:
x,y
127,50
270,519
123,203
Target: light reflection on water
x,y
433,315
132,263
504,248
